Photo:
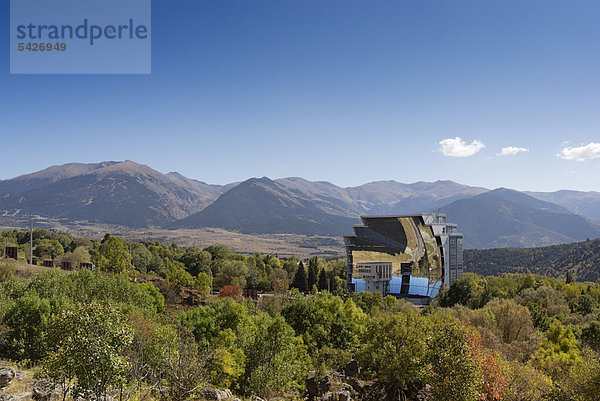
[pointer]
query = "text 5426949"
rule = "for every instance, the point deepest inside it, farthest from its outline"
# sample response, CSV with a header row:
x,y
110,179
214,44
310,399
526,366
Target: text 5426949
x,y
42,47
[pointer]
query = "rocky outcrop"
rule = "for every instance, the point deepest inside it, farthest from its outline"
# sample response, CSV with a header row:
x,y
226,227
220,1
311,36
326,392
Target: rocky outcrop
x,y
347,386
7,374
217,394
15,397
331,386
342,395
317,384
43,390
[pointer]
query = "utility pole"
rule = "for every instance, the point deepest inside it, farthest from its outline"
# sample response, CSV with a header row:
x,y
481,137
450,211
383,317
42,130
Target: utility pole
x,y
210,274
30,241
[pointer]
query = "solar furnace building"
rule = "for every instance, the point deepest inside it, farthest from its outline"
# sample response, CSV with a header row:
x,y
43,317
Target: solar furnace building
x,y
411,256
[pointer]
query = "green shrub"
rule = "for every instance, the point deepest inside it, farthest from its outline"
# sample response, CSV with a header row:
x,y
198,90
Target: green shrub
x,y
8,268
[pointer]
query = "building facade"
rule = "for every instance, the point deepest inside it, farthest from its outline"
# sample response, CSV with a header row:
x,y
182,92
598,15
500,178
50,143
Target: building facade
x,y
422,252
376,275
451,243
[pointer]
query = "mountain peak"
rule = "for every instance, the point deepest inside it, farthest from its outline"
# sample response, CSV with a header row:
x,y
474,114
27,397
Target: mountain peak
x,y
62,171
257,180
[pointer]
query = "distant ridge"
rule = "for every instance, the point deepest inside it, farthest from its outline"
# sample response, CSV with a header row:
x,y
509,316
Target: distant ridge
x,y
392,197
260,205
508,218
584,203
133,195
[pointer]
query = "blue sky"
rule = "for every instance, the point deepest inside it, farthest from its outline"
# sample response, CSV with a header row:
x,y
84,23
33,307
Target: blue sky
x,y
342,91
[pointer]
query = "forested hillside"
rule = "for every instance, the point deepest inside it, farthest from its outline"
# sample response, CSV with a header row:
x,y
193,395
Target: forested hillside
x,y
581,259
154,321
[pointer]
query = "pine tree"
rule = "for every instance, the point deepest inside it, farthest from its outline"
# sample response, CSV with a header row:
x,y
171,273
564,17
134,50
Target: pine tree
x,y
322,280
313,273
570,277
300,282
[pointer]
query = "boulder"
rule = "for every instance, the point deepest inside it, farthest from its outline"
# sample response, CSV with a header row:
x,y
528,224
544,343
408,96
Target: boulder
x,y
216,394
43,390
351,368
256,398
348,388
7,374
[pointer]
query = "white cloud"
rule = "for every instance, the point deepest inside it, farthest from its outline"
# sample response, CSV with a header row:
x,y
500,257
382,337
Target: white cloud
x,y
511,151
581,153
456,147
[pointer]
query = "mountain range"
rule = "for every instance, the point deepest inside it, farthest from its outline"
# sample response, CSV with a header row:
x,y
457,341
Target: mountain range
x,y
508,218
134,195
124,193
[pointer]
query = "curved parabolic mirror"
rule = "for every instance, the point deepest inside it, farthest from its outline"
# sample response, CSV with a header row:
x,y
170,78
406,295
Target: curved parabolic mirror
x,y
405,242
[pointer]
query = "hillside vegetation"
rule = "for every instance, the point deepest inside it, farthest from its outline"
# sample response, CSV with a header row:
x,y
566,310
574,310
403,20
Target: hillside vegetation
x,y
581,259
118,333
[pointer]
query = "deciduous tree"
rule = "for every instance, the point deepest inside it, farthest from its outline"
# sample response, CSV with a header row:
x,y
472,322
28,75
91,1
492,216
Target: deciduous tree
x,y
115,256
90,340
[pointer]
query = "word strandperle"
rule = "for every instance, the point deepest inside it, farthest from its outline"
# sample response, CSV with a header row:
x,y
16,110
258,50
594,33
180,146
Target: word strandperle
x,y
85,31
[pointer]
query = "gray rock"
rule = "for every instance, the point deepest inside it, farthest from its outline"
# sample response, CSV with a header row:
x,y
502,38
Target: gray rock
x,y
342,395
348,388
15,397
217,394
43,390
106,398
256,398
7,374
